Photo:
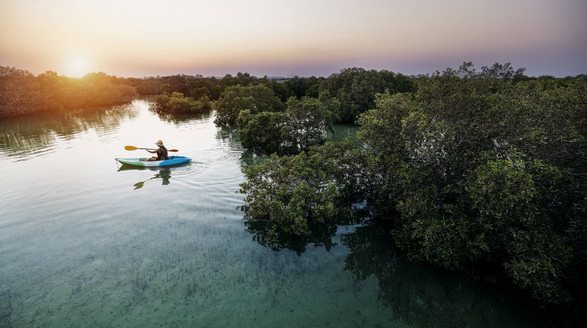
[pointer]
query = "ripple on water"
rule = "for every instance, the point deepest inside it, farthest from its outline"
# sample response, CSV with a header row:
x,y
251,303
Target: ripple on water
x,y
21,156
82,246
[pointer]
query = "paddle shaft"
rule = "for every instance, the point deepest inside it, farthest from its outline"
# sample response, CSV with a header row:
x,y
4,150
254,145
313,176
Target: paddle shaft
x,y
131,148
170,150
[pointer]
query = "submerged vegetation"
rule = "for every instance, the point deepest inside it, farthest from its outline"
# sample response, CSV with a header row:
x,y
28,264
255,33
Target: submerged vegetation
x,y
476,171
472,171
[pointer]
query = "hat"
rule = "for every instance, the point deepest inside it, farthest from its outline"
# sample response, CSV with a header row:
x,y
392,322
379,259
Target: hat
x,y
159,143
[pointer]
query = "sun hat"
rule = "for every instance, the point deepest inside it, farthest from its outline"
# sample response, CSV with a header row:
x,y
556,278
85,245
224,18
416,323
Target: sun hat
x,y
159,143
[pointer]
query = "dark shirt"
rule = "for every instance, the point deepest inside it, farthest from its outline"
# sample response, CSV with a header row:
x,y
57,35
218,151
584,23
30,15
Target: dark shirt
x,y
162,154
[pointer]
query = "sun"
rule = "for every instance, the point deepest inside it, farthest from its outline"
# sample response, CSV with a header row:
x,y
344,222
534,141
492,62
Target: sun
x,y
78,67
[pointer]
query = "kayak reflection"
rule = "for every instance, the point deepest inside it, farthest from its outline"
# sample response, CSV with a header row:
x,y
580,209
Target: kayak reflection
x,y
162,173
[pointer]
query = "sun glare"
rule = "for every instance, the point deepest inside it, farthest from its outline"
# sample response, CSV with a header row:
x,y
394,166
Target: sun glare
x,y
78,67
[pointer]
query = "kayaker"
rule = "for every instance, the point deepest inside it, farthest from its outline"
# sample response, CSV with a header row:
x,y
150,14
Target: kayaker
x,y
161,152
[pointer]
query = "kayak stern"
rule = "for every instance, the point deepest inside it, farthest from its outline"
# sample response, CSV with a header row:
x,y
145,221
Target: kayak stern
x,y
142,162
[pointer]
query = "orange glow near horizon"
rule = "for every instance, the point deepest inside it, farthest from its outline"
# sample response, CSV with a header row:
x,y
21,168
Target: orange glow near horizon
x,y
304,37
77,67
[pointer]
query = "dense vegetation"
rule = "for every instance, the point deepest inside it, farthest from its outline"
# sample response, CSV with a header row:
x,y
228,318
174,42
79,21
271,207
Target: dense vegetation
x,y
479,171
23,93
304,123
484,172
177,103
356,88
476,169
254,98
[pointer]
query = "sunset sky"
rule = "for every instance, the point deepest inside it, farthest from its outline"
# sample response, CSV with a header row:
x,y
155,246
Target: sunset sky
x,y
291,37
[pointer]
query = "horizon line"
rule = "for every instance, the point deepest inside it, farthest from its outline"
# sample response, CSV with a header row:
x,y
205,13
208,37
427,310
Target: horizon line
x,y
278,76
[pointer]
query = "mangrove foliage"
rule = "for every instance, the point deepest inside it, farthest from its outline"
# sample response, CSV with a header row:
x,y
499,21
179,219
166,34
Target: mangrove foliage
x,y
477,171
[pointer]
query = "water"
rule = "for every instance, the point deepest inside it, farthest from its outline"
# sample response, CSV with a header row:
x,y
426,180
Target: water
x,y
84,243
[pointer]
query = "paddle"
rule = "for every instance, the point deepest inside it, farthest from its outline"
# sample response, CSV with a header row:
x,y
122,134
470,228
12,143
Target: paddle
x,y
135,148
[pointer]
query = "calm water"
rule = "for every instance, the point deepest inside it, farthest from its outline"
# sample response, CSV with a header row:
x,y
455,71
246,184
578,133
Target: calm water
x,y
84,243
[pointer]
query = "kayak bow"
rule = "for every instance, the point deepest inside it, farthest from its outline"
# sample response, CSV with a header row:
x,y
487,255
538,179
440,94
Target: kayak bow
x,y
142,162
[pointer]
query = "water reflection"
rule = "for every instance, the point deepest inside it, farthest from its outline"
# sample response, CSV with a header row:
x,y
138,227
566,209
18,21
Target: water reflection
x,y
415,294
424,296
29,136
320,235
162,173
341,131
77,249
179,119
229,136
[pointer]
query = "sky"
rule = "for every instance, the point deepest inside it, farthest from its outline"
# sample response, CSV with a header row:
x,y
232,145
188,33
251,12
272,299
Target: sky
x,y
291,37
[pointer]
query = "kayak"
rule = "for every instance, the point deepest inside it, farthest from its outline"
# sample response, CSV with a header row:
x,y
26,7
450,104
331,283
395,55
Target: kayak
x,y
173,160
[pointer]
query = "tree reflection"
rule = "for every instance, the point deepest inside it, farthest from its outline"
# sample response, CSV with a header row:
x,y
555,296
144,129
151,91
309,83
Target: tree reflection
x,y
321,235
424,296
415,294
231,138
29,134
179,119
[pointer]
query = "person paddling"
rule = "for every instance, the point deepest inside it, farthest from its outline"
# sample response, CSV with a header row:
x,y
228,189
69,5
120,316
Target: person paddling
x,y
161,152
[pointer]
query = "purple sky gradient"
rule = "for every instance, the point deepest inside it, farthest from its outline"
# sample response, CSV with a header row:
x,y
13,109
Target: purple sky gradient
x,y
286,37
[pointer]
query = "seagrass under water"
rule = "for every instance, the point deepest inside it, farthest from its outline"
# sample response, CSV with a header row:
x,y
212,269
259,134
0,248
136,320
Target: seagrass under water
x,y
86,243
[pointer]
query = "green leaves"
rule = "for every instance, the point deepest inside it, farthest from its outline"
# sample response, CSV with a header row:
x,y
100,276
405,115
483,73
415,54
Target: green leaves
x,y
484,168
21,92
473,169
294,198
261,132
502,189
305,123
356,88
539,261
176,103
254,98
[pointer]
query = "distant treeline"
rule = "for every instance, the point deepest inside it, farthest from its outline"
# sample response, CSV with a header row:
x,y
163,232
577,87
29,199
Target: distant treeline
x,y
479,171
355,88
23,93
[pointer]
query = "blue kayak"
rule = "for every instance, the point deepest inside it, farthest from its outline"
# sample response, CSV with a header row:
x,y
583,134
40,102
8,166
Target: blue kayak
x,y
142,162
